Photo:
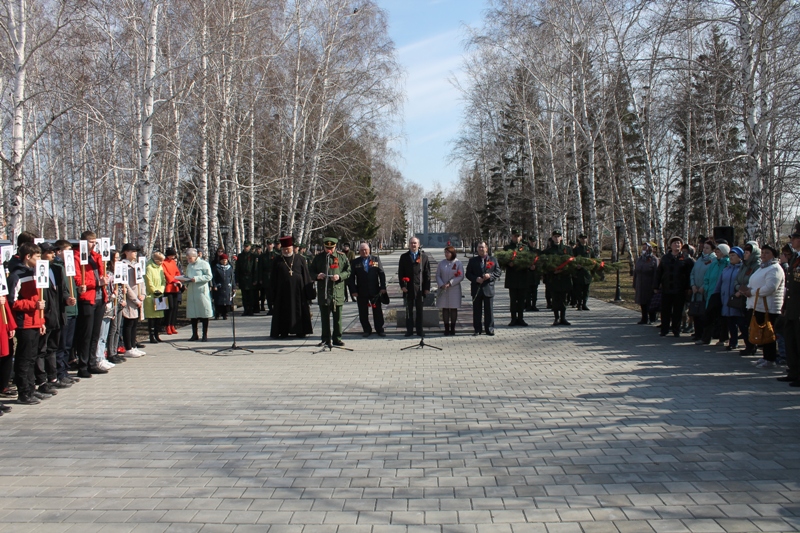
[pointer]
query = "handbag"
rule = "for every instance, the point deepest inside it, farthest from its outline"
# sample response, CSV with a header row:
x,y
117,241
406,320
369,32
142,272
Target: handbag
x,y
655,303
697,308
761,334
738,302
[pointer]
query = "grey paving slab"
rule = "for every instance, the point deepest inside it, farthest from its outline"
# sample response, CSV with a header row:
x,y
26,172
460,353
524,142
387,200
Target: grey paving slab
x,y
603,426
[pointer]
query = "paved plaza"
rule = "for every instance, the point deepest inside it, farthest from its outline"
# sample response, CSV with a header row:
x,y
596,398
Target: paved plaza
x,y
599,427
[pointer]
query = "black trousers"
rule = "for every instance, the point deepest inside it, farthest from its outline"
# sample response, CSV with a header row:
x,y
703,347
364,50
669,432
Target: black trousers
x,y
517,304
714,325
413,312
671,312
558,300
128,333
580,292
28,346
531,296
364,305
65,346
171,315
87,333
250,300
483,305
791,336
46,365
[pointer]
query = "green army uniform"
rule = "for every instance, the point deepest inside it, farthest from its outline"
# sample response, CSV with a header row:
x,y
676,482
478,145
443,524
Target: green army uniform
x,y
244,270
534,278
265,274
332,301
582,278
791,314
517,284
560,285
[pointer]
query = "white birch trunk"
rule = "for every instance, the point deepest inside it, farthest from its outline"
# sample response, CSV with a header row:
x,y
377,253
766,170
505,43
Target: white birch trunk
x,y
146,150
17,26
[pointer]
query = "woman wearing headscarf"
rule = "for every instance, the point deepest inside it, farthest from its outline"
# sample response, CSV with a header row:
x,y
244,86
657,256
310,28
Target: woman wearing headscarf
x,y
155,283
726,287
750,263
644,275
222,287
764,293
714,323
698,275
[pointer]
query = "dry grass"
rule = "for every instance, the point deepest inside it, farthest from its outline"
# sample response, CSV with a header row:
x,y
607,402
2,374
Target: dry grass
x,y
606,290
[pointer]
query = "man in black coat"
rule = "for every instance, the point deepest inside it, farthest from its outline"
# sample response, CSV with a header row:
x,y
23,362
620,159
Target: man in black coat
x,y
482,272
414,273
672,281
367,285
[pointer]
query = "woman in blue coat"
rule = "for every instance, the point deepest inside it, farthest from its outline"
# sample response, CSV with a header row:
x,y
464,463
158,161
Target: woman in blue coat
x,y
726,286
222,287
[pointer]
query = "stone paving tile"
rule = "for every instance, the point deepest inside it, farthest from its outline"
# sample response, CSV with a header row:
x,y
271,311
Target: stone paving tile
x,y
603,426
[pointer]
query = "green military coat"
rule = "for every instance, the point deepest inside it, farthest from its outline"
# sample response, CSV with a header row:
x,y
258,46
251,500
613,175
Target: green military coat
x,y
583,276
335,263
559,282
516,279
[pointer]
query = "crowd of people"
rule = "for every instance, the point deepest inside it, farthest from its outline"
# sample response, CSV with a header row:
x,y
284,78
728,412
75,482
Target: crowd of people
x,y
744,299
85,321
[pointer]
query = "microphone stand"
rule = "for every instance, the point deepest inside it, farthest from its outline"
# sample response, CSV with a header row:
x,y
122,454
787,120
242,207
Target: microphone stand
x,y
329,345
234,347
410,306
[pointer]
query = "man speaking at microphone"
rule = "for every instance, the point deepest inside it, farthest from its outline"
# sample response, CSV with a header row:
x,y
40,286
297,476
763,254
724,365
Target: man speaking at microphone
x,y
330,268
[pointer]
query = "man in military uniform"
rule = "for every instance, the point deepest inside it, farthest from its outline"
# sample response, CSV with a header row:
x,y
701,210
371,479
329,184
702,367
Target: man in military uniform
x,y
791,312
258,288
559,283
350,256
534,278
245,279
582,278
331,269
265,275
516,280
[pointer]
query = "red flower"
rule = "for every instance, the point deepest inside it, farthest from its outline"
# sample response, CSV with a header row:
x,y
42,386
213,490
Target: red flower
x,y
454,266
490,264
458,273
406,280
514,255
418,258
374,306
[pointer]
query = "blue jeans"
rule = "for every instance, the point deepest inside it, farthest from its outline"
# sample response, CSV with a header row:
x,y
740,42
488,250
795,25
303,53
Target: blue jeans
x,y
101,343
65,346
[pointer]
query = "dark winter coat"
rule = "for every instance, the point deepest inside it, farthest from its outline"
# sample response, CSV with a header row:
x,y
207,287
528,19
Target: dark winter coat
x,y
644,278
673,274
223,283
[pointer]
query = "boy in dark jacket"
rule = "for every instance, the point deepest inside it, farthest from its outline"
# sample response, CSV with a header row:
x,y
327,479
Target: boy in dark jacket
x,y
27,308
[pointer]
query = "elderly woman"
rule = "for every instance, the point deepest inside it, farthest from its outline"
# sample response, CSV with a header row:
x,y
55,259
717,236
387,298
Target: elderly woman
x,y
222,287
155,283
198,299
644,276
726,287
764,294
750,263
714,323
449,275
697,278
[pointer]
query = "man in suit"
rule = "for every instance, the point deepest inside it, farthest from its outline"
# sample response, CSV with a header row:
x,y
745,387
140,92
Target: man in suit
x,y
516,281
367,284
414,272
482,272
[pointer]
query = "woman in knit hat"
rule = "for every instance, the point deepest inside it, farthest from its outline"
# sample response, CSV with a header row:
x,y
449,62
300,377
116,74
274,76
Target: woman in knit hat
x,y
734,317
714,325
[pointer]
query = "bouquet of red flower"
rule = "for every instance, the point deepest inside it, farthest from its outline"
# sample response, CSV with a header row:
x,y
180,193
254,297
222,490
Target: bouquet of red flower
x,y
406,280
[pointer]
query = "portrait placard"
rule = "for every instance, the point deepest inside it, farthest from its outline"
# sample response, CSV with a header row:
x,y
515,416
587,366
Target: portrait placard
x,y
105,249
42,274
84,259
120,274
69,263
3,283
7,252
139,273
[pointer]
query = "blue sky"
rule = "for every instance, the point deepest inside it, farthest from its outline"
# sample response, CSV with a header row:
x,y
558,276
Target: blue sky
x,y
429,36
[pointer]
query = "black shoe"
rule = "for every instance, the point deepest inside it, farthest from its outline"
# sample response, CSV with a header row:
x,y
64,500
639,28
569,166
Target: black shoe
x,y
642,322
61,384
5,408
269,313
73,379
677,334
556,322
522,323
194,338
476,333
564,322
490,333
84,374
748,351
662,334
366,334
513,323
535,309
787,379
795,383
204,339
584,308
46,388
97,370
381,334
409,333
153,340
338,343
28,400
301,335
41,395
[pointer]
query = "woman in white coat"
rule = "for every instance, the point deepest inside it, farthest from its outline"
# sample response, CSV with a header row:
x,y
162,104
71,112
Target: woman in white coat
x,y
198,297
449,275
769,282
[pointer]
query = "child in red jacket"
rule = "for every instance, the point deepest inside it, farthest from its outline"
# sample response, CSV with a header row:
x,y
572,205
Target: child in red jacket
x,y
27,309
7,327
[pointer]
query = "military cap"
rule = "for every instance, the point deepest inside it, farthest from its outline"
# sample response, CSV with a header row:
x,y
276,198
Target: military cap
x,y
334,240
556,232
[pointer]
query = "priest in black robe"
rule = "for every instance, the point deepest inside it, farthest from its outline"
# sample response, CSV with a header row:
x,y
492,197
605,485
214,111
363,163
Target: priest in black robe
x,y
291,285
